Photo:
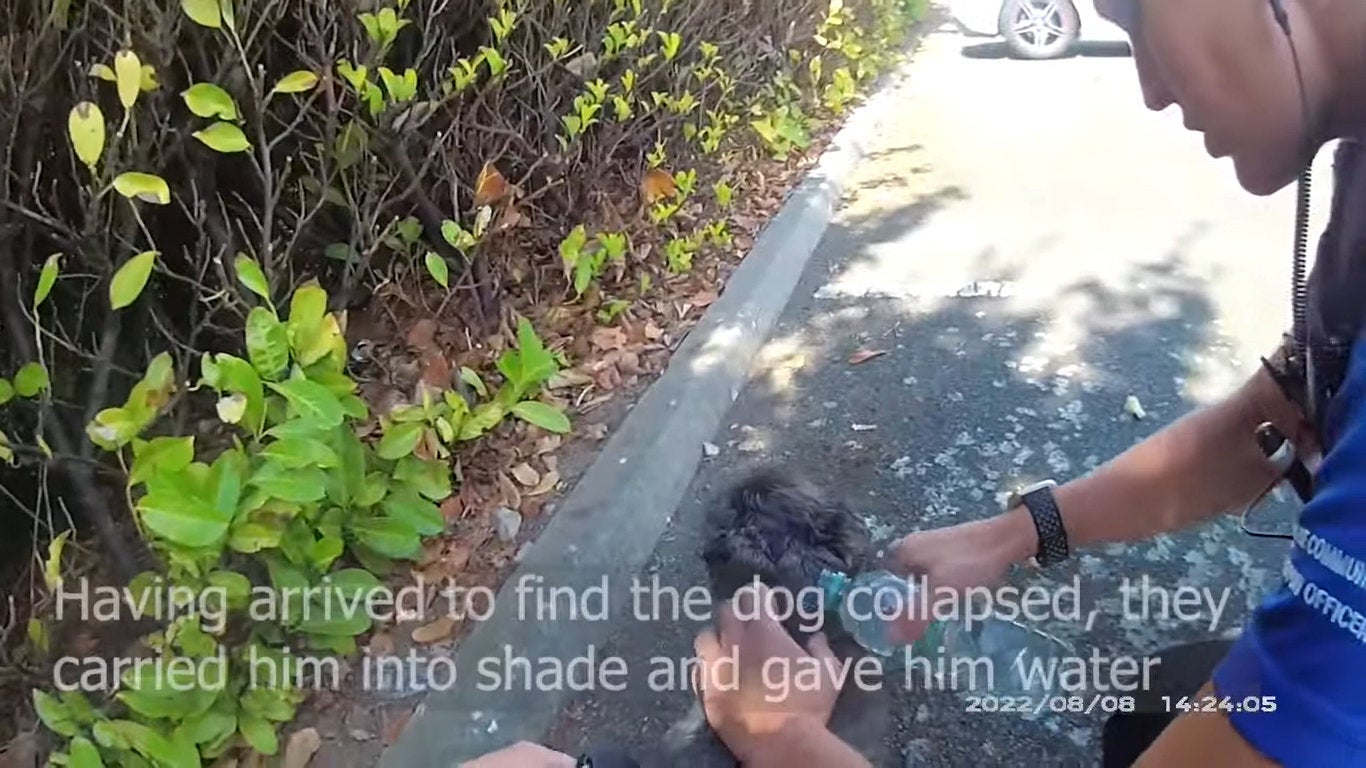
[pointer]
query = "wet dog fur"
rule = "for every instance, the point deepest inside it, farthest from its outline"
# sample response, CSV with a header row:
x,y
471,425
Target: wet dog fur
x,y
782,529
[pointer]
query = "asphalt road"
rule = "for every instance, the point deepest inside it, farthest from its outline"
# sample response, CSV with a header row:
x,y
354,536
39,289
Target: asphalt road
x,y
1116,259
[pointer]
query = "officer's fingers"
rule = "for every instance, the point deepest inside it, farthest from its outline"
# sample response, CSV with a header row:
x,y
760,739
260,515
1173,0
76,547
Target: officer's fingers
x,y
819,647
712,671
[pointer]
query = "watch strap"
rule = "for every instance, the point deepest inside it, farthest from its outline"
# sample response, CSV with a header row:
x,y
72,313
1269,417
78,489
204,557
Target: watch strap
x,y
1043,508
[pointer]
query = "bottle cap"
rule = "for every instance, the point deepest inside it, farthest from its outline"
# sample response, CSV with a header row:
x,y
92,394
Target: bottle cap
x,y
833,584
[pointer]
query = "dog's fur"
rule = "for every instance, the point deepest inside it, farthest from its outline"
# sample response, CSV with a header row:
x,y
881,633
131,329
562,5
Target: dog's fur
x,y
785,531
782,530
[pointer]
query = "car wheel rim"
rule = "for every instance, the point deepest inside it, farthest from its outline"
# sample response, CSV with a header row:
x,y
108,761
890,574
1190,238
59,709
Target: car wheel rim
x,y
1039,23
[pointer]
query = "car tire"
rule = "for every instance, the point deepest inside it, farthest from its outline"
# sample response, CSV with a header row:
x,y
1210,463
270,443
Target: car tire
x,y
1039,29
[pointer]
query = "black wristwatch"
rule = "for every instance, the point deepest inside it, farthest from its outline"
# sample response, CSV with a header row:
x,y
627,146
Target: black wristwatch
x,y
1043,508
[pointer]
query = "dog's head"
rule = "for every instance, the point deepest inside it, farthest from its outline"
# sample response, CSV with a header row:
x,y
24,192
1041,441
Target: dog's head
x,y
783,530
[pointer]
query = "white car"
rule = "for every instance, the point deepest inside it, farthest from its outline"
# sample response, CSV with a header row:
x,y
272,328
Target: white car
x,y
1036,29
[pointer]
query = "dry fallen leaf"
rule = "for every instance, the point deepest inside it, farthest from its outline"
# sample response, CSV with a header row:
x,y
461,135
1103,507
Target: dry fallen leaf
x,y
526,475
864,355
452,508
436,372
381,644
596,431
608,379
552,463
547,444
652,331
508,219
608,338
548,482
657,185
703,299
299,751
490,186
570,377
393,726
435,631
422,334
457,558
512,498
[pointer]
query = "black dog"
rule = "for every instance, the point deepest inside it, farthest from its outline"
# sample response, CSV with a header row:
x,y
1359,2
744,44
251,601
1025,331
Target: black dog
x,y
784,531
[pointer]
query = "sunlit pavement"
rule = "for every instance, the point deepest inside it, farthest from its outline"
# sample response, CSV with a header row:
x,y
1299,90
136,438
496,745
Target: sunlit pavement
x,y
1029,247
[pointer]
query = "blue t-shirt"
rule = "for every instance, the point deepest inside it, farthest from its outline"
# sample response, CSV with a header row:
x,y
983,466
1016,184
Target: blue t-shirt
x,y
1306,644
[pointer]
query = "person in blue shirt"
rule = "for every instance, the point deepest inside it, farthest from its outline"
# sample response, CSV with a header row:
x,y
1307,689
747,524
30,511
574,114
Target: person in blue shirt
x,y
1268,83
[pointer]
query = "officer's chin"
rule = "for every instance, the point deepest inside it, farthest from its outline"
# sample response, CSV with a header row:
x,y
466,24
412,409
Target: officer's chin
x,y
1262,177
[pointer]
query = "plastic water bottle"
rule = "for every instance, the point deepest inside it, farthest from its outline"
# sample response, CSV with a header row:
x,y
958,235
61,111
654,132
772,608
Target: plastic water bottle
x,y
866,602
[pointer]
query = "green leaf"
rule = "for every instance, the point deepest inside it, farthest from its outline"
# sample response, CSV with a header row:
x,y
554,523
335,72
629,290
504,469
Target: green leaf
x,y
85,128
542,415
371,490
205,13
472,378
38,636
229,15
484,418
103,72
148,82
46,279
30,380
54,714
112,428
232,408
236,587
161,751
259,733
312,401
300,485
530,364
274,704
84,754
438,269
296,82
128,76
6,391
226,373
208,100
267,342
388,537
162,454
131,278
308,305
52,567
249,274
210,726
223,137
144,187
249,537
399,440
431,478
178,506
420,514
296,452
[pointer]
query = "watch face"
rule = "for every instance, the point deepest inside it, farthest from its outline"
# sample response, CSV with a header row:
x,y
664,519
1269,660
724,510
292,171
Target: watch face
x,y
1039,486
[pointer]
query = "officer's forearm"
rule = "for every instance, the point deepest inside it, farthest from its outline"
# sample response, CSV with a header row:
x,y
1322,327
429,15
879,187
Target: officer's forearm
x,y
1205,464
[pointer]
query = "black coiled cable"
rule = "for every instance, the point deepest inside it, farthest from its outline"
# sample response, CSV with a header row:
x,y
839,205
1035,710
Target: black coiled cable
x,y
1299,279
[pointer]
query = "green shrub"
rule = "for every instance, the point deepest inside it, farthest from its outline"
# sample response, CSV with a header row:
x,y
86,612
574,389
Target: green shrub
x,y
183,179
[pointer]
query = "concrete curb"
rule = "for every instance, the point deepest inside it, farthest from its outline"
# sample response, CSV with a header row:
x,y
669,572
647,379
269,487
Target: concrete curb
x,y
612,519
